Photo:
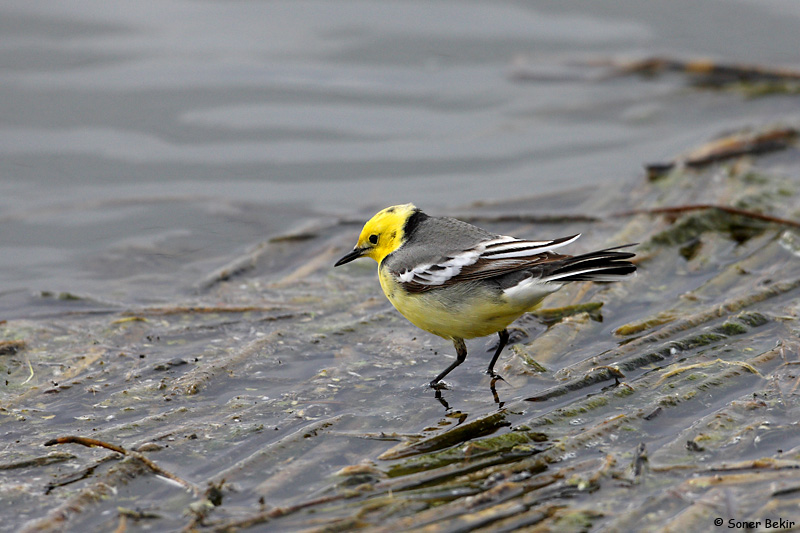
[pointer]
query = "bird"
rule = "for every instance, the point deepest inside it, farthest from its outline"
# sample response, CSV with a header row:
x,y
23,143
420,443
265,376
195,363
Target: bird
x,y
458,281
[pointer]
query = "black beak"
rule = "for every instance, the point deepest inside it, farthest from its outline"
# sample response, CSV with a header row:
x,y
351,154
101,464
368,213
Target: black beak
x,y
355,254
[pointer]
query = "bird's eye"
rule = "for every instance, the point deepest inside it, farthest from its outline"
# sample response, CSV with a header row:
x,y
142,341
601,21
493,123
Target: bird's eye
x,y
373,239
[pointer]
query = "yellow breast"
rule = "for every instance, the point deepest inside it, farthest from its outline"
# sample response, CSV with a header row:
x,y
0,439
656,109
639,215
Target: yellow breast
x,y
466,310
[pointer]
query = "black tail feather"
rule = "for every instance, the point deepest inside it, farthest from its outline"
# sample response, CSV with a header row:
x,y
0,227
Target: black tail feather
x,y
602,265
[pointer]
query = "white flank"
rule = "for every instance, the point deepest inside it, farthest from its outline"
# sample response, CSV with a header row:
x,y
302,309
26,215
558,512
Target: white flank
x,y
529,291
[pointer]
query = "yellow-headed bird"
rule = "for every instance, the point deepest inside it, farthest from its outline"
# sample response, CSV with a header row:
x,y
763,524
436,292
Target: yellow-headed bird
x,y
459,281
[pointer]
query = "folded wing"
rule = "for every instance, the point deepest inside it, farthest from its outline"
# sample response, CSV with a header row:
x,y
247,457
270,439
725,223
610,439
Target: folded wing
x,y
487,259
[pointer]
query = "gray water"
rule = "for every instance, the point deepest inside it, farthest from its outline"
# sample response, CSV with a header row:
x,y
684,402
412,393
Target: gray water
x,y
143,144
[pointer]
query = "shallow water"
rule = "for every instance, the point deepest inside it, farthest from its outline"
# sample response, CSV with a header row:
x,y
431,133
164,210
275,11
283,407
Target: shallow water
x,y
148,148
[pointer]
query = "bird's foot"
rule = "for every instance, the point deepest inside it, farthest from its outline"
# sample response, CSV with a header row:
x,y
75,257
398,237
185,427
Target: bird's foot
x,y
495,377
496,396
438,385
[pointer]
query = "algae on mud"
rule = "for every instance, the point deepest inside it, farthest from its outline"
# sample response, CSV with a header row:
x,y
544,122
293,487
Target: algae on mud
x,y
277,387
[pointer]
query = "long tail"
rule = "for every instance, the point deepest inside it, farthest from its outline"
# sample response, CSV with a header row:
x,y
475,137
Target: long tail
x,y
602,265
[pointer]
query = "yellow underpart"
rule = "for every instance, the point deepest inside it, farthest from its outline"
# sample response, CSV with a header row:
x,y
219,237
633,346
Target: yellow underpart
x,y
465,310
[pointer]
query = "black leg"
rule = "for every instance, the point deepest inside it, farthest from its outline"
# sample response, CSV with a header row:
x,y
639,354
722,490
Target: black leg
x,y
461,354
503,340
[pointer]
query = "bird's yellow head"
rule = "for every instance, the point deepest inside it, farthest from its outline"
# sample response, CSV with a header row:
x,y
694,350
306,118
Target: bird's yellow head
x,y
382,234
